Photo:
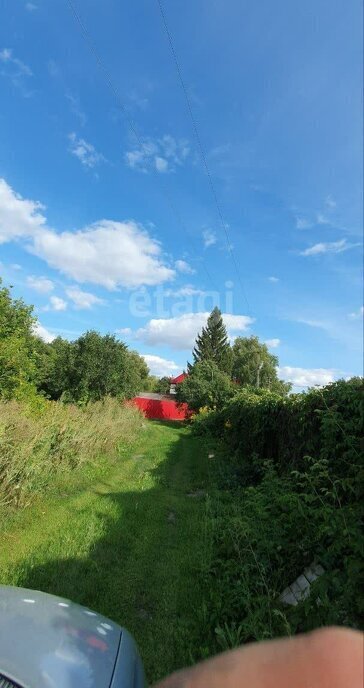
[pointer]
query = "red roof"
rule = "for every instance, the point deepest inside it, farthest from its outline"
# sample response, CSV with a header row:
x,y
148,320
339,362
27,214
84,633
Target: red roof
x,y
178,379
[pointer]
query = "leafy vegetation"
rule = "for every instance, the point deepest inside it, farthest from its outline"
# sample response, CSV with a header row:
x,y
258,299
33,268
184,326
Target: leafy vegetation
x,y
254,366
219,371
87,369
90,368
40,438
162,385
288,492
17,346
37,444
205,386
326,423
190,552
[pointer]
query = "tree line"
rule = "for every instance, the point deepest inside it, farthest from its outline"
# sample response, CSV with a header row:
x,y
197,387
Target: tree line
x,y
94,366
87,369
220,369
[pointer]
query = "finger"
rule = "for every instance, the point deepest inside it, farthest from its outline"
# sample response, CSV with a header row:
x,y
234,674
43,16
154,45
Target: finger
x,y
328,658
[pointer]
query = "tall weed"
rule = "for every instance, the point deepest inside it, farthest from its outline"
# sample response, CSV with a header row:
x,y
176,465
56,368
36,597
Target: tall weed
x,y
37,442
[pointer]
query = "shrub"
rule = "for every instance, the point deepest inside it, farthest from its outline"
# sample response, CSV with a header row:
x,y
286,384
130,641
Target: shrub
x,y
162,386
325,423
289,487
263,538
205,385
39,442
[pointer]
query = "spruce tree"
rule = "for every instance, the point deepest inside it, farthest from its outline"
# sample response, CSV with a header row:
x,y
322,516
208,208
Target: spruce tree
x,y
212,343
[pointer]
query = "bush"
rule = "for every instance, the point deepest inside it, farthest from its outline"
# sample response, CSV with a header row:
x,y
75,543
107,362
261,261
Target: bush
x,y
37,442
289,487
163,385
263,538
325,423
206,386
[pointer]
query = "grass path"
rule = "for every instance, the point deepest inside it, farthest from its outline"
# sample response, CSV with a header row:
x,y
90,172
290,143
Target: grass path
x,y
129,544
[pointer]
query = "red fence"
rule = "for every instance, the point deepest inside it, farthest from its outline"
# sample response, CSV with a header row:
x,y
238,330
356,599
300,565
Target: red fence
x,y
163,409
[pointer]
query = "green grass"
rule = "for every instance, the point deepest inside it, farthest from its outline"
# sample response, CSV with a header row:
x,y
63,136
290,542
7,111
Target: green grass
x,y
128,541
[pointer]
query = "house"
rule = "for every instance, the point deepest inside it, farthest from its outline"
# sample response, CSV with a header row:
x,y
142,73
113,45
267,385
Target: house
x,y
174,381
163,406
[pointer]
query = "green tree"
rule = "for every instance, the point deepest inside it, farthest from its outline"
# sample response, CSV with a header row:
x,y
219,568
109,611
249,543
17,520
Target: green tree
x,y
150,384
56,368
99,367
136,378
206,385
90,368
17,359
213,344
163,385
253,365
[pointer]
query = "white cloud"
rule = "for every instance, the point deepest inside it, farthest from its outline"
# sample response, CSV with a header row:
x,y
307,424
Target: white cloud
x,y
126,331
163,154
56,304
320,324
184,267
16,266
161,367
31,7
82,299
329,247
330,202
302,223
307,377
322,219
209,238
76,109
5,55
188,290
43,333
135,160
16,68
41,284
16,71
140,100
338,329
108,253
161,164
272,343
274,280
180,332
18,217
357,315
84,151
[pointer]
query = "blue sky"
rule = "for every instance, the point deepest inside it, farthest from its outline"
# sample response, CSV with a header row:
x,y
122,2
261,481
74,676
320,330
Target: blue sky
x,y
103,229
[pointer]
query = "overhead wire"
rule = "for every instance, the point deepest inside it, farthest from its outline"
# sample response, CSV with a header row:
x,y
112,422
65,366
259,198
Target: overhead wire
x,y
132,126
201,150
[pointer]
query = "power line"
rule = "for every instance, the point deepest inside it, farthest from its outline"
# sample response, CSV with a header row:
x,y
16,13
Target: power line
x,y
121,104
201,149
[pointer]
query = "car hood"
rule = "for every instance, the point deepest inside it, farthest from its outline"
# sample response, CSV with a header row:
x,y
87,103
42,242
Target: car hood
x,y
48,642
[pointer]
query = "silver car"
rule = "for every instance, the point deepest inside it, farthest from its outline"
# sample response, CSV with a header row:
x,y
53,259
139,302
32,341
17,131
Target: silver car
x,y
50,642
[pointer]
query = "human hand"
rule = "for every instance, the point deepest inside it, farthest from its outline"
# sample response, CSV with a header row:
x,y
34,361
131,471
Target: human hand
x,y
327,658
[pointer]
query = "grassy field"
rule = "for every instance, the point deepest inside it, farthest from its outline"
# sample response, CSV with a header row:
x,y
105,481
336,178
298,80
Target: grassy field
x,y
129,541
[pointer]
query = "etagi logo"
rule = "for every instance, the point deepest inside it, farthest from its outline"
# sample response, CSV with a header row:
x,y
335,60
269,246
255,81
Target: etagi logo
x,y
163,302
